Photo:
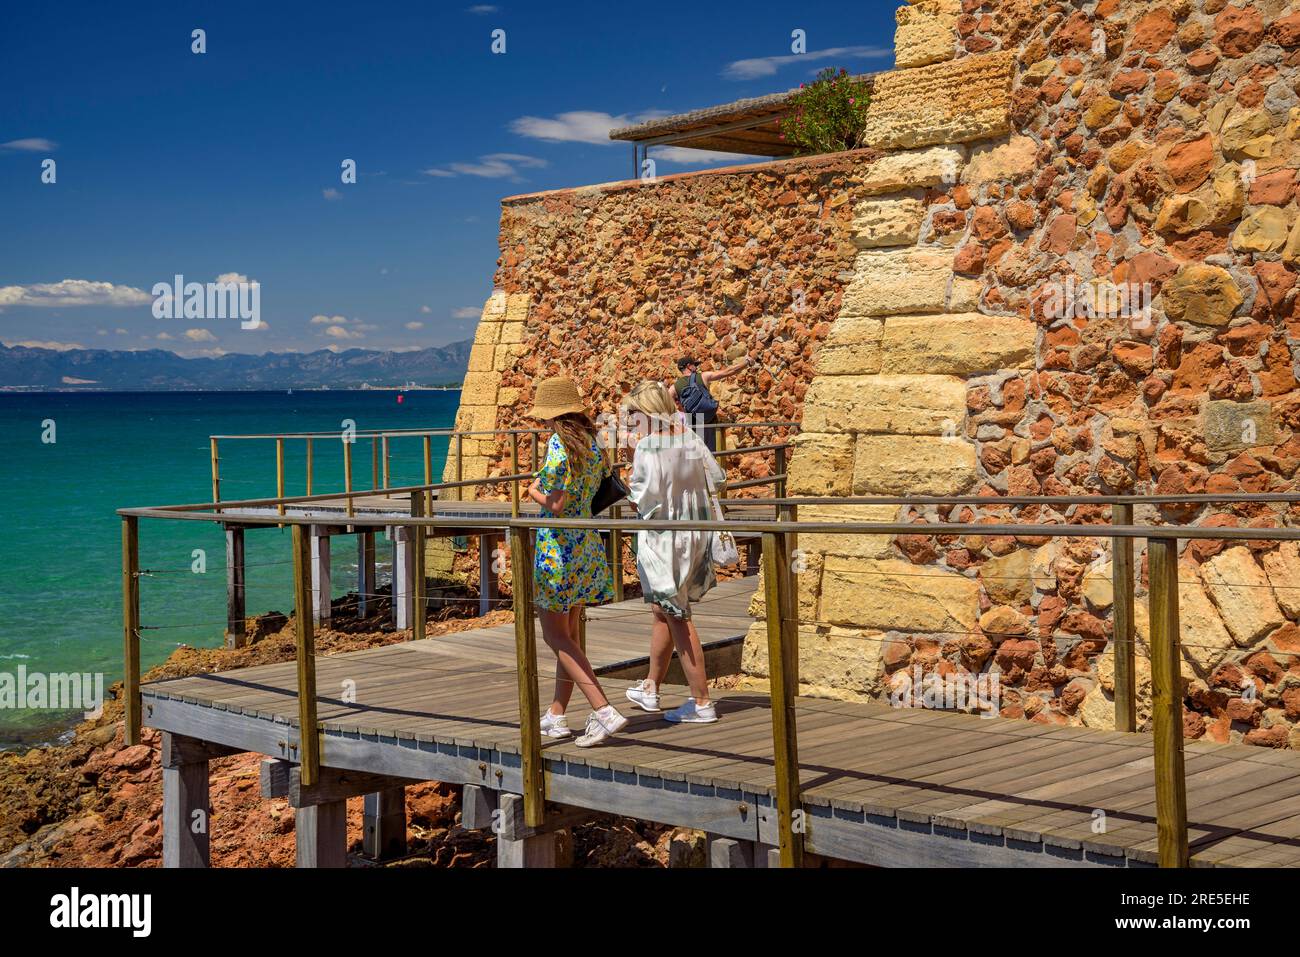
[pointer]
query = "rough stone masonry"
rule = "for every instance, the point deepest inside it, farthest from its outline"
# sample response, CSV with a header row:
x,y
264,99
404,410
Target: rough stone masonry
x,y
1066,264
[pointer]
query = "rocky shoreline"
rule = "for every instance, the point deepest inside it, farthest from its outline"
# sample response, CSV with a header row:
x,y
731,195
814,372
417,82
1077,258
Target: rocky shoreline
x,y
94,802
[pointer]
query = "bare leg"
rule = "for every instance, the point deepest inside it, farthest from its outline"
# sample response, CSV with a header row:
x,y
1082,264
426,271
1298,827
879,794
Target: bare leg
x,y
691,656
570,659
563,683
661,648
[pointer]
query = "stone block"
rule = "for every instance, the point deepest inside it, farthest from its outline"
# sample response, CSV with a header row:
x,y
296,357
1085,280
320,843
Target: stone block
x,y
1230,426
480,356
1005,161
512,333
494,310
487,333
1204,641
964,344
887,222
847,546
895,595
1283,570
926,32
1240,590
894,404
957,102
852,347
516,307
480,388
821,464
902,281
913,465
1205,295
914,169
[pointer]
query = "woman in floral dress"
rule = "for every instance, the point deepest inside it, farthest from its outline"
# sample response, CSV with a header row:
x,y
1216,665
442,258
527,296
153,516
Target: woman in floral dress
x,y
570,568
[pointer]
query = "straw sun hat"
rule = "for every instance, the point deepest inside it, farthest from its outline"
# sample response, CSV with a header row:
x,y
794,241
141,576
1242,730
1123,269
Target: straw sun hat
x,y
555,397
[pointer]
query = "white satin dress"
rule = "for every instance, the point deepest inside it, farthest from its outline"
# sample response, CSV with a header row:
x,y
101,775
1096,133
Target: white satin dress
x,y
669,482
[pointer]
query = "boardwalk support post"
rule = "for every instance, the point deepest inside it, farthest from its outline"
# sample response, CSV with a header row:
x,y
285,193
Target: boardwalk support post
x,y
187,814
1167,704
131,628
783,671
487,573
383,833
365,572
320,575
1122,642
530,717
236,631
309,737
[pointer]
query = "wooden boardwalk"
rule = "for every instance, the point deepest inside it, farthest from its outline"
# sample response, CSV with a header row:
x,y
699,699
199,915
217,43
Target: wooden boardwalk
x,y
881,785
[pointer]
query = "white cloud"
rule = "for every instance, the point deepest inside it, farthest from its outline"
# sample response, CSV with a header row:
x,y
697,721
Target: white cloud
x,y
426,310
200,335
491,166
72,292
340,332
331,194
756,67
236,277
120,331
688,157
328,320
164,336
39,344
414,325
578,126
33,145
466,312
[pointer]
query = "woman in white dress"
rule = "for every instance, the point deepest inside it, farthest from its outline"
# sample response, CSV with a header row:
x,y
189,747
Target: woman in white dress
x,y
672,472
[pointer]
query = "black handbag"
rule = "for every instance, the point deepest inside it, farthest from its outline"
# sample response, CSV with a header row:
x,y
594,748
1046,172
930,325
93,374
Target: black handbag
x,y
610,491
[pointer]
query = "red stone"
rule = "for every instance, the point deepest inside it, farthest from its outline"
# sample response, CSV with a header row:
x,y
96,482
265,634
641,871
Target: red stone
x,y
1190,164
1059,236
1286,31
1238,30
1153,30
1273,189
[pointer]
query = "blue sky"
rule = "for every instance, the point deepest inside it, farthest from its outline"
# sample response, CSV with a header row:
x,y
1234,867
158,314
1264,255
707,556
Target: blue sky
x,y
229,162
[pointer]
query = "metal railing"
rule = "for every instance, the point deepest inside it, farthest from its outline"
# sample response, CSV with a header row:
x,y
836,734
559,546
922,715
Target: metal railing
x,y
382,441
779,540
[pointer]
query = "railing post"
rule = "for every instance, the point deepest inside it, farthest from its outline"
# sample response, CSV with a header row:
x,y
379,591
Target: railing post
x,y
616,552
460,465
428,474
721,443
279,472
216,472
783,674
535,465
310,463
1167,704
387,455
1121,550
780,472
530,717
347,474
131,628
374,461
417,569
309,735
514,470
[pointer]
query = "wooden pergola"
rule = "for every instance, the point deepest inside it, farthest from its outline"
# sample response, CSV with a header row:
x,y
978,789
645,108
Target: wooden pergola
x,y
751,127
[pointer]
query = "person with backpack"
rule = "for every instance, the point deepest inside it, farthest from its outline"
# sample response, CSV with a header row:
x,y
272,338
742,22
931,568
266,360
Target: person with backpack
x,y
692,395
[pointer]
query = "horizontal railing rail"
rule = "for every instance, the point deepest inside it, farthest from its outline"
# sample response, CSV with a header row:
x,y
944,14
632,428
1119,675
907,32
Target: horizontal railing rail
x,y
779,543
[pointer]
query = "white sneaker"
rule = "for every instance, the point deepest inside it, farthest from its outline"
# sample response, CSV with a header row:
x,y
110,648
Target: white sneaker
x,y
601,725
555,725
643,698
690,713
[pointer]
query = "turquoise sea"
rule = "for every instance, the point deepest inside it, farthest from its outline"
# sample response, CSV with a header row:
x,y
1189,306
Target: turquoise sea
x,y
60,541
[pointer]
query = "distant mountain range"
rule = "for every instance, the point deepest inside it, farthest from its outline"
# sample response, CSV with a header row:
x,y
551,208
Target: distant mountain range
x,y
27,369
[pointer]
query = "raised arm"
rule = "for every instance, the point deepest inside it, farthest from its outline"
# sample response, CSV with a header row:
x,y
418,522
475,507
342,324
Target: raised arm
x,y
716,374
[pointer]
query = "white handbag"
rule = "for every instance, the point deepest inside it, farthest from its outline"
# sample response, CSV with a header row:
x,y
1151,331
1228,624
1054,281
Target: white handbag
x,y
723,548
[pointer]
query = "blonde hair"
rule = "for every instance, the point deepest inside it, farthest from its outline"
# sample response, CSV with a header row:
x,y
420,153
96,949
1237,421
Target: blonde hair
x,y
576,432
651,398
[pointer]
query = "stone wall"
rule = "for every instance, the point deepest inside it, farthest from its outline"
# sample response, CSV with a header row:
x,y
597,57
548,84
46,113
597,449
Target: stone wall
x,y
1065,265
1094,149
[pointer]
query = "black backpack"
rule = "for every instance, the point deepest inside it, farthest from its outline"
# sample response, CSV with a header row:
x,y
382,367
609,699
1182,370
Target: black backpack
x,y
696,398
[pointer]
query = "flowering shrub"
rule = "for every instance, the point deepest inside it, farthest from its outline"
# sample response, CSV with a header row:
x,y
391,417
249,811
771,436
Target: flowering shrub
x,y
828,115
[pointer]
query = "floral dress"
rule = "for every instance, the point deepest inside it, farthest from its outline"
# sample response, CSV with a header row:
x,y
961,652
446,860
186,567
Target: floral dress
x,y
570,566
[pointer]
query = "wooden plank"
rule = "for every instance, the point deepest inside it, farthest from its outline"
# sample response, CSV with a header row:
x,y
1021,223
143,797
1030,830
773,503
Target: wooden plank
x,y
1122,575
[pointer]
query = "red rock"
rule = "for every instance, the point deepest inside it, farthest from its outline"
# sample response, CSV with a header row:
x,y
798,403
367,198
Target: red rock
x,y
1190,164
1274,737
1017,652
1059,236
1135,357
1274,189
1153,30
1285,31
1238,30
